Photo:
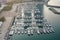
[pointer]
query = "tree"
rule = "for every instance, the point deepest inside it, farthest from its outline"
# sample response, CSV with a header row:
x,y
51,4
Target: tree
x,y
2,19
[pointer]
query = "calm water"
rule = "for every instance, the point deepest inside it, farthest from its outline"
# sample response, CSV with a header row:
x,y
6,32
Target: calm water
x,y
53,19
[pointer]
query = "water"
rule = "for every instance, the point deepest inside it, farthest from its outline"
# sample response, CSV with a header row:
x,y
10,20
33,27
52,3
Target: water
x,y
53,19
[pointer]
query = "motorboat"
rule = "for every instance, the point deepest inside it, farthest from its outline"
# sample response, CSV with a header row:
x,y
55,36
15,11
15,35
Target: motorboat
x,y
38,32
47,31
44,30
25,31
15,32
52,29
28,32
18,32
31,32
22,31
11,33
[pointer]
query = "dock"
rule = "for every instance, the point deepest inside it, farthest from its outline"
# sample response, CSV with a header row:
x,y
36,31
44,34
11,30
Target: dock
x,y
54,11
53,6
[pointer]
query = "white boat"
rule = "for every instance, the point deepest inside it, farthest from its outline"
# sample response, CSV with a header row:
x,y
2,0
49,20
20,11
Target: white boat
x,y
22,31
18,32
35,12
15,32
44,20
47,25
31,32
28,32
47,31
38,11
52,29
25,31
11,33
38,32
44,30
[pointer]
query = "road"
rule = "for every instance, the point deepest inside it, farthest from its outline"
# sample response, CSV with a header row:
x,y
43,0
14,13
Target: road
x,y
9,15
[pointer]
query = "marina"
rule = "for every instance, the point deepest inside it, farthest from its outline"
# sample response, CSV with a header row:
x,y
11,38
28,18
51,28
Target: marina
x,y
31,20
34,21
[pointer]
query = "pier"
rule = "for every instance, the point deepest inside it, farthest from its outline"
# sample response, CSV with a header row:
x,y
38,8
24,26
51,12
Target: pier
x,y
53,6
54,11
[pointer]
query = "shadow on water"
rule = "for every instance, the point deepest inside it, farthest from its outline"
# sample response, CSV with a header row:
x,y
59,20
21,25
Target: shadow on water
x,y
54,11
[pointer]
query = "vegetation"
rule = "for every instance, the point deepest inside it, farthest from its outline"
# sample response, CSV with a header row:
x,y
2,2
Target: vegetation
x,y
2,19
7,8
15,1
9,5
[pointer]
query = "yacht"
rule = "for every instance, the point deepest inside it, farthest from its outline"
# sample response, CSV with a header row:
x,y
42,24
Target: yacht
x,y
25,31
52,29
44,30
11,33
31,32
18,32
38,32
15,31
22,31
38,11
47,30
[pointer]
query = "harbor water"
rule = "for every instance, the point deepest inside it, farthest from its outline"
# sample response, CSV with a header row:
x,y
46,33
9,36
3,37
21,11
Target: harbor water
x,y
53,19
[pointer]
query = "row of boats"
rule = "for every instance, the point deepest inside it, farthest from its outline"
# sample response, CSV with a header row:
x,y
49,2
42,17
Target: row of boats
x,y
35,19
32,30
